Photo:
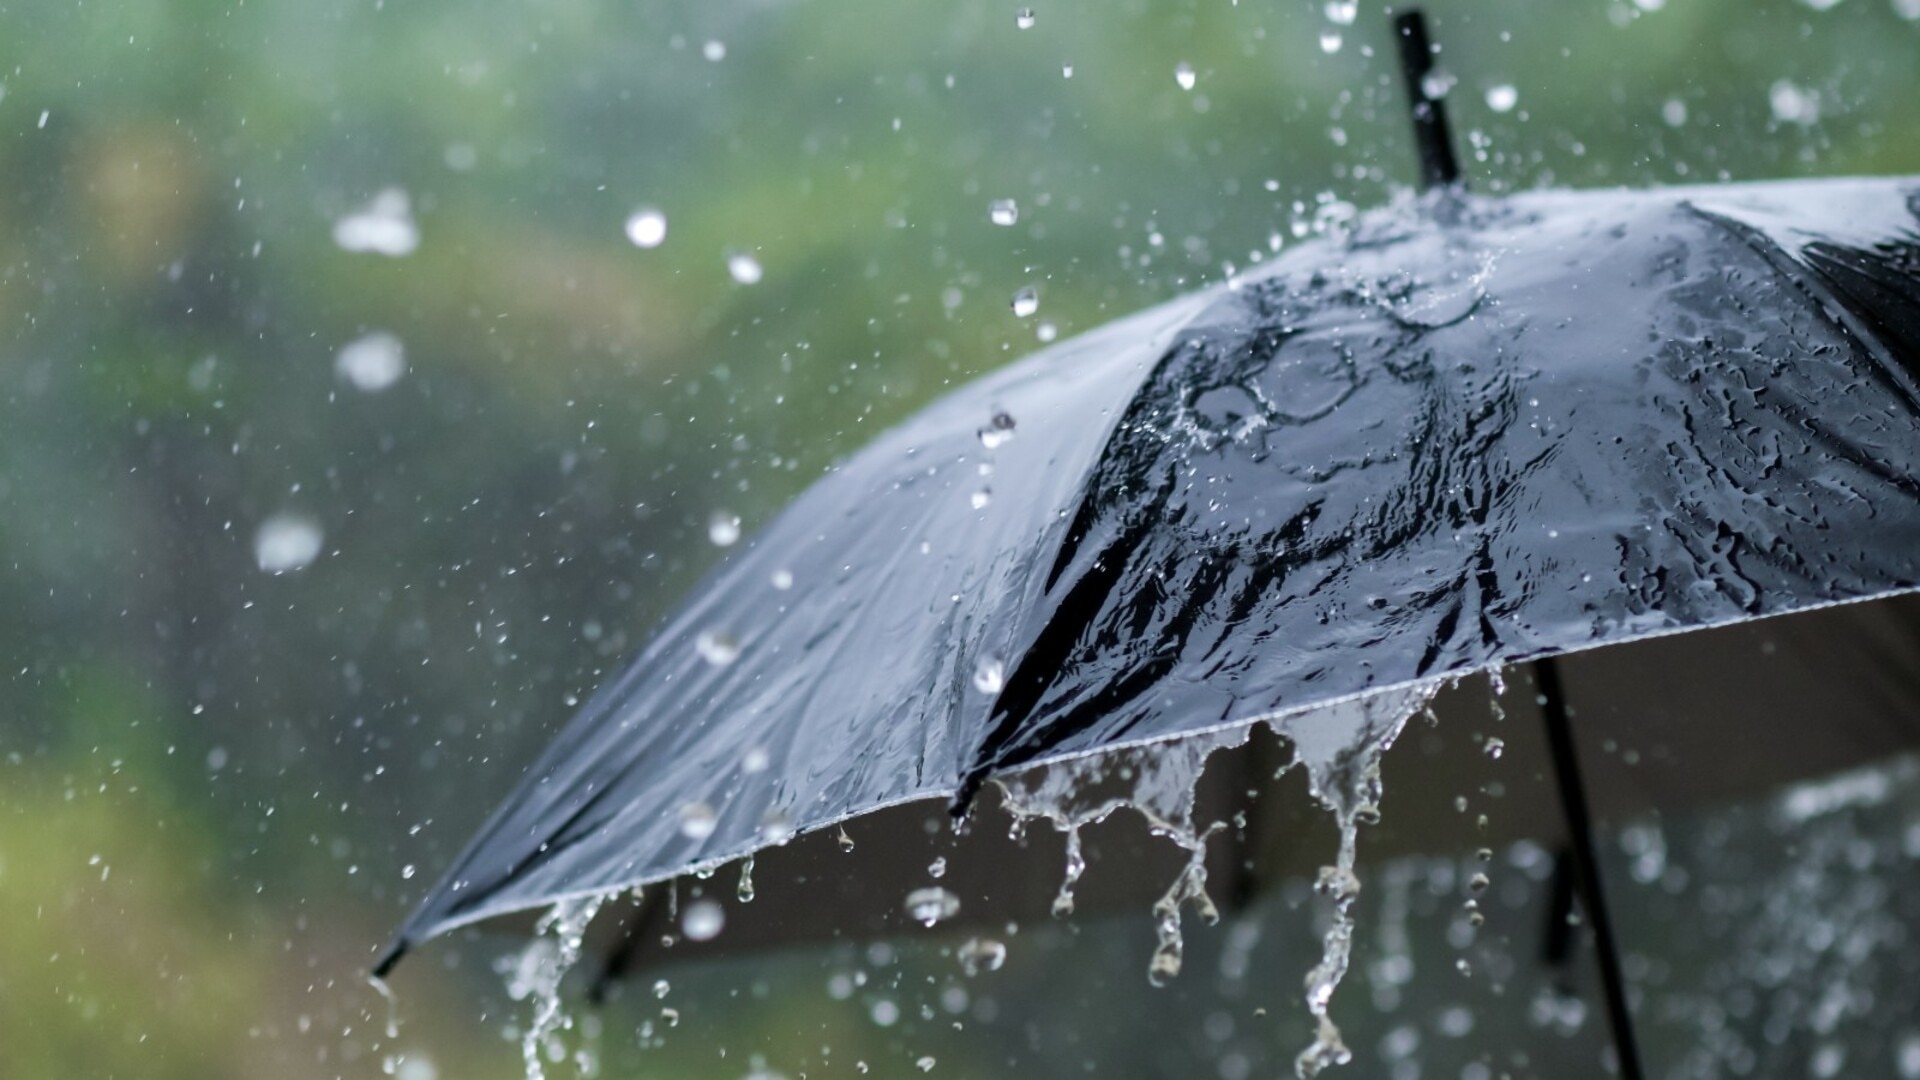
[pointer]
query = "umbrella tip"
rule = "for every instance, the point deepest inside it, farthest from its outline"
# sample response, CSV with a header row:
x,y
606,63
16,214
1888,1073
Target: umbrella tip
x,y
390,956
1438,167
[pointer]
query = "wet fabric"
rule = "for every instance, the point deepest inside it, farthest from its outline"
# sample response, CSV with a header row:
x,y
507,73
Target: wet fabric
x,y
1467,433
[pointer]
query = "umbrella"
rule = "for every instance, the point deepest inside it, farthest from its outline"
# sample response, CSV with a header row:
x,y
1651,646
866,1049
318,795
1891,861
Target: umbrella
x,y
1461,433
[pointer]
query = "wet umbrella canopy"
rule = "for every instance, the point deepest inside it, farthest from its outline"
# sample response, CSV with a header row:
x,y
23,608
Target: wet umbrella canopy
x,y
1457,433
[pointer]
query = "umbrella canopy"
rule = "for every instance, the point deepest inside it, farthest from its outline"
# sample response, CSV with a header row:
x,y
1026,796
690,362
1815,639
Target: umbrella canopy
x,y
1463,432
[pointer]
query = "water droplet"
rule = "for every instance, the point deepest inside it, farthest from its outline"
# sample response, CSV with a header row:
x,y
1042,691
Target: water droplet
x,y
714,50
981,954
1026,301
1475,917
997,432
286,542
1463,967
1502,97
1478,883
1496,747
407,872
661,987
981,498
383,227
938,868
782,580
697,820
1330,41
744,268
776,827
1183,75
703,920
925,1064
717,647
1342,12
1003,211
1023,18
372,362
1046,332
745,891
755,760
723,528
1674,112
647,227
1484,854
1066,70
1437,83
845,841
989,675
932,904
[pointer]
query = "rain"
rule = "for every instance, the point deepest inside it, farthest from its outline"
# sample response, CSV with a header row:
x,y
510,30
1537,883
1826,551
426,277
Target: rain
x,y
745,540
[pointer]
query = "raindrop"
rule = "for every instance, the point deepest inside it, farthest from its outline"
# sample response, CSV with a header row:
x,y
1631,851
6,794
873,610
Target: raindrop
x,y
1793,104
286,542
1478,883
1046,332
723,528
715,51
1674,112
1066,70
782,579
925,1064
1330,41
997,432
697,820
932,904
646,227
407,872
1003,211
717,647
1437,83
982,954
703,920
990,675
1026,301
1463,967
1342,12
846,842
981,498
372,362
1475,916
661,987
1502,97
1496,747
383,227
1023,18
1910,11
755,760
1183,74
745,892
744,268
938,868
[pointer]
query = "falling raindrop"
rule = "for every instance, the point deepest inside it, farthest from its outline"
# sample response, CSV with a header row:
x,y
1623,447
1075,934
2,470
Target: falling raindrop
x,y
937,868
286,542
661,988
745,891
697,820
1674,112
1342,12
990,675
845,841
1496,747
646,227
1003,211
372,362
755,760
981,498
717,647
1330,41
1183,75
981,954
930,905
1437,83
1026,301
925,1064
998,431
1046,332
782,579
744,268
383,227
703,920
723,528
1478,883
1502,97
714,50
1023,18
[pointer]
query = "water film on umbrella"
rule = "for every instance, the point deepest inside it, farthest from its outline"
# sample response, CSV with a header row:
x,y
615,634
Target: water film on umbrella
x,y
1463,432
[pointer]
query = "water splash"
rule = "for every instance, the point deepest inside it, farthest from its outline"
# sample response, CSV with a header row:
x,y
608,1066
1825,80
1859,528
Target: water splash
x,y
536,972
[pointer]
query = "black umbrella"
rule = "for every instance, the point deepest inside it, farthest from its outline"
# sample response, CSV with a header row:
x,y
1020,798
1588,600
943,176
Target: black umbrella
x,y
1463,433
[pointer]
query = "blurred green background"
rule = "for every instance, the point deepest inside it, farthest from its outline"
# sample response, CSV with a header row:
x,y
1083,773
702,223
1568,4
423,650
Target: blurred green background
x,y
220,787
